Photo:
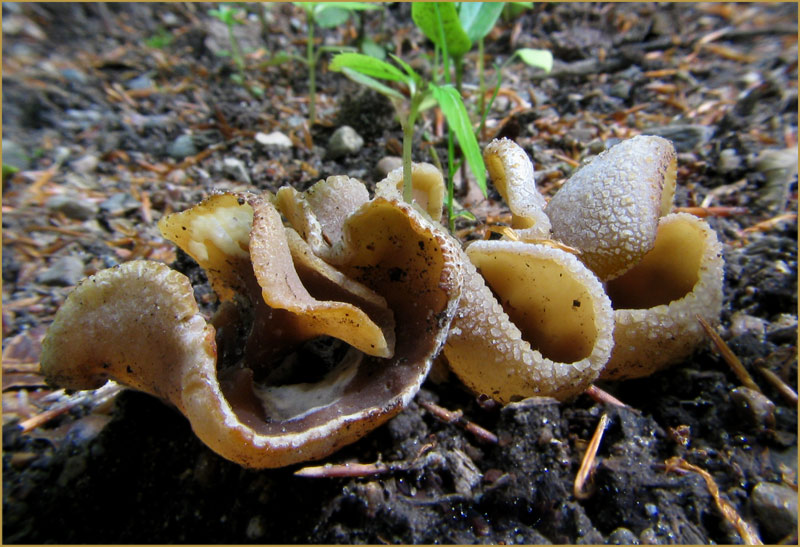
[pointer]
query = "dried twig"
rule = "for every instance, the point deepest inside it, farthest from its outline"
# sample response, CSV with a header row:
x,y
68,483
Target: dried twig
x,y
588,463
457,418
339,470
719,211
330,470
746,531
788,394
769,224
604,397
95,398
729,357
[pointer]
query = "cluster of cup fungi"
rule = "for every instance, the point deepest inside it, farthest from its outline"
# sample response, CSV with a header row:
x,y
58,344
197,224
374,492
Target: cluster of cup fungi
x,y
601,282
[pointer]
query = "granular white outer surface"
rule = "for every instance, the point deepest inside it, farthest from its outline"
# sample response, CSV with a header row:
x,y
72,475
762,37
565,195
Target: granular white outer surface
x,y
653,338
609,209
511,171
490,353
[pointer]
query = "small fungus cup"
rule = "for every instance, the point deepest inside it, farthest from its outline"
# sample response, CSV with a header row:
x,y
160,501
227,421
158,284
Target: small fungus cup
x,y
532,321
657,302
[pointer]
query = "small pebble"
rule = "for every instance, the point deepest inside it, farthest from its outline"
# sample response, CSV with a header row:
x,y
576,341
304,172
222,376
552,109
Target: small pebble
x,y
72,206
754,408
236,169
344,141
651,510
140,82
729,161
275,139
119,204
74,76
387,164
14,155
596,146
169,19
85,164
64,272
80,119
622,536
775,507
742,324
182,147
621,90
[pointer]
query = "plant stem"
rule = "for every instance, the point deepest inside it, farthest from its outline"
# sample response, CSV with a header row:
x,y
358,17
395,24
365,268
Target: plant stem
x,y
451,171
481,77
312,72
408,137
479,132
238,60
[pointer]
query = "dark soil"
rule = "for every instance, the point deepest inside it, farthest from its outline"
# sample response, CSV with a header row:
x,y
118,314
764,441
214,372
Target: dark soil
x,y
720,80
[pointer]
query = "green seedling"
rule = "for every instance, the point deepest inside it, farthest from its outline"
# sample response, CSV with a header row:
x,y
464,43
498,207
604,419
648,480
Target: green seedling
x,y
231,17
9,170
417,96
513,10
159,40
539,58
324,15
453,28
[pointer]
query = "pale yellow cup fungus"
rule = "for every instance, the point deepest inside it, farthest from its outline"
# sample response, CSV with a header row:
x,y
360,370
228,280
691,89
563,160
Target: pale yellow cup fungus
x,y
657,302
247,391
511,172
532,321
515,318
609,208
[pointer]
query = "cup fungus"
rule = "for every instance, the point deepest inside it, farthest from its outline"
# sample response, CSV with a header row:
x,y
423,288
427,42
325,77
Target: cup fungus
x,y
427,187
532,321
660,271
657,301
329,324
511,172
318,214
609,209
263,385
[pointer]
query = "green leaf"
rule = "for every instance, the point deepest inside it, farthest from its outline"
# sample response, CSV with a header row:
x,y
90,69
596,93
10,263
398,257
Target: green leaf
x,y
514,9
540,58
478,18
374,84
331,16
9,170
355,6
416,78
368,47
425,17
455,112
369,66
307,6
466,214
226,14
